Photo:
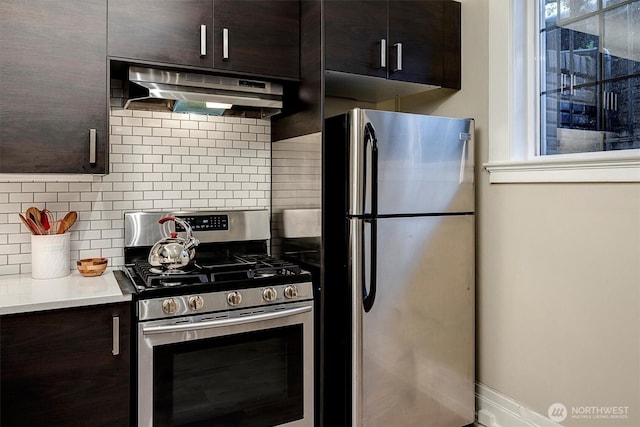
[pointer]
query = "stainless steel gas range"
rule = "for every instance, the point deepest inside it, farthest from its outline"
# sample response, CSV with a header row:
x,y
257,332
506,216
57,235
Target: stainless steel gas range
x,y
226,339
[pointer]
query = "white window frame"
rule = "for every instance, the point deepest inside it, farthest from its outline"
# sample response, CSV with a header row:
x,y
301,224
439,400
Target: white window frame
x,y
514,106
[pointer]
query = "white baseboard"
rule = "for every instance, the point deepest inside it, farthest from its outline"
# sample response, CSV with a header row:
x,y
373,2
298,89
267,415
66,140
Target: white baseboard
x,y
497,410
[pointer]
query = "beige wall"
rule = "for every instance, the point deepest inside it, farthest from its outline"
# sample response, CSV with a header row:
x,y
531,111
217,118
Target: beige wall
x,y
558,267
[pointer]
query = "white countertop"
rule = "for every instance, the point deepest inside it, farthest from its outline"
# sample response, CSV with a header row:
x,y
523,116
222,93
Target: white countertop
x,y
21,294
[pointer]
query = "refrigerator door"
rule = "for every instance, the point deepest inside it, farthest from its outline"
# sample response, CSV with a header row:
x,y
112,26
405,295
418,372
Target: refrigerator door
x,y
413,351
424,163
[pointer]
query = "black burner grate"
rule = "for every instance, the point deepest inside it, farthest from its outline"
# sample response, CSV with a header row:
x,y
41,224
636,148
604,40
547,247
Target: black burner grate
x,y
152,279
245,271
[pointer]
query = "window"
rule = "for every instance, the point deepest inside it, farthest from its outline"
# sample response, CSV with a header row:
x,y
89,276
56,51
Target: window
x,y
564,91
589,75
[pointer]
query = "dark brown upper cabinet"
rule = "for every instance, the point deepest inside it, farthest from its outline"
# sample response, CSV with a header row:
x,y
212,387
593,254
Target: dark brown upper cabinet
x,y
257,37
251,37
356,36
66,367
409,41
163,31
53,87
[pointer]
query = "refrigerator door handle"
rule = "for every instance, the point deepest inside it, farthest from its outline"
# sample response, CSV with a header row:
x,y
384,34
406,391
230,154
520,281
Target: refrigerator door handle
x,y
467,153
370,138
369,297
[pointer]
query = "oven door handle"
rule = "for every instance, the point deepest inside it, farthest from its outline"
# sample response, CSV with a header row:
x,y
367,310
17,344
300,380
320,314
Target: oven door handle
x,y
182,327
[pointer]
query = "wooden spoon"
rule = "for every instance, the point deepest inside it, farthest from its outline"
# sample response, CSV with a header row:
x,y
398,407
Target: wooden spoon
x,y
68,220
28,224
34,226
71,218
61,226
33,213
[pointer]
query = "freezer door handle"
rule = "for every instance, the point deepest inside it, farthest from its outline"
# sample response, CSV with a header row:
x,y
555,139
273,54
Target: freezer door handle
x,y
370,169
369,296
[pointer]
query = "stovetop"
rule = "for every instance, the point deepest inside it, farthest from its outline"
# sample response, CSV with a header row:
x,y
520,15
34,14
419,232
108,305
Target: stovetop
x,y
239,272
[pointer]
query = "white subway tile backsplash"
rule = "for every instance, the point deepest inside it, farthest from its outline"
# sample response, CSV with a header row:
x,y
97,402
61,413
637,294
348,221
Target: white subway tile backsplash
x,y
131,121
20,197
33,187
139,132
158,161
180,133
121,130
10,187
9,249
154,123
295,178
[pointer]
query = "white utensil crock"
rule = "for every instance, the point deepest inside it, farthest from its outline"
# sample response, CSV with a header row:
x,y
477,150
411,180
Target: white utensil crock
x,y
50,256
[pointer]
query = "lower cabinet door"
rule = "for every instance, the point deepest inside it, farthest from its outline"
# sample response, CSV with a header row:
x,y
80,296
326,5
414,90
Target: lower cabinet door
x,y
58,368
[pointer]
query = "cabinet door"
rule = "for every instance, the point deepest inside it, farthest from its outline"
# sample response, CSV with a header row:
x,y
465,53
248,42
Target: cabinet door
x,y
257,37
355,37
416,41
53,86
57,368
164,31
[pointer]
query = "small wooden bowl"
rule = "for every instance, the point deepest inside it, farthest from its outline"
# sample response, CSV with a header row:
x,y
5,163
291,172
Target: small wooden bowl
x,y
90,267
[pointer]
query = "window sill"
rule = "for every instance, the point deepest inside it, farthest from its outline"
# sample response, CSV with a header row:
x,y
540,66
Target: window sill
x,y
557,169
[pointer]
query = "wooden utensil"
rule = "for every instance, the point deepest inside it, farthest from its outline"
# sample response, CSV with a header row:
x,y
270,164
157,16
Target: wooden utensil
x,y
36,229
46,218
61,226
28,224
33,214
70,219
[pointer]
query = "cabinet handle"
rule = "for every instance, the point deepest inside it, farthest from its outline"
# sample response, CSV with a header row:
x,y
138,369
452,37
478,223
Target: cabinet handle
x,y
383,53
203,40
573,83
115,350
225,43
615,101
562,76
398,47
92,146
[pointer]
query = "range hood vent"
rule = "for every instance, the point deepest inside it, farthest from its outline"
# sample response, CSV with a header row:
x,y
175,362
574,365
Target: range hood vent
x,y
161,90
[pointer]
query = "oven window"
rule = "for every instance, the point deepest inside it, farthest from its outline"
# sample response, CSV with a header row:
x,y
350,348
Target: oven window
x,y
254,379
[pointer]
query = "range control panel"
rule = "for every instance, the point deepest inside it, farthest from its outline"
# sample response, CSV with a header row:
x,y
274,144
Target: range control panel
x,y
143,228
205,222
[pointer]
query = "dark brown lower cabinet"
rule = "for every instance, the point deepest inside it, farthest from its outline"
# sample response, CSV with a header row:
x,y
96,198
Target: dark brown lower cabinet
x,y
58,368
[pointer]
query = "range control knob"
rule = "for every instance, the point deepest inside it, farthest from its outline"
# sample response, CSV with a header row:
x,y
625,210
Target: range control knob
x,y
196,302
234,298
269,294
291,291
169,306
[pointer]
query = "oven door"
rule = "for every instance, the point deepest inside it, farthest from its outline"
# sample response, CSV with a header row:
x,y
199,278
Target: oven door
x,y
241,368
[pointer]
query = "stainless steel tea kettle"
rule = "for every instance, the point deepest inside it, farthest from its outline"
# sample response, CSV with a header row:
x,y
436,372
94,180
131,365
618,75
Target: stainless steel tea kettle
x,y
174,252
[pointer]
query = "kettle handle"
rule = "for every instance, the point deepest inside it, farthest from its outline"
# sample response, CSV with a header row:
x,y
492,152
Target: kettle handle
x,y
191,241
166,218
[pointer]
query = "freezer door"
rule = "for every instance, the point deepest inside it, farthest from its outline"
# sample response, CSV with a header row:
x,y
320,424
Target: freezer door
x,y
425,164
413,351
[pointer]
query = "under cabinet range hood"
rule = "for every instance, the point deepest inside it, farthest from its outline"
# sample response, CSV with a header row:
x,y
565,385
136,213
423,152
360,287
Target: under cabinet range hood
x,y
182,91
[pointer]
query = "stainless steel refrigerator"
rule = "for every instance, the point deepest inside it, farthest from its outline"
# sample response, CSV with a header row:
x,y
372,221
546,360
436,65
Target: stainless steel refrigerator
x,y
398,270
